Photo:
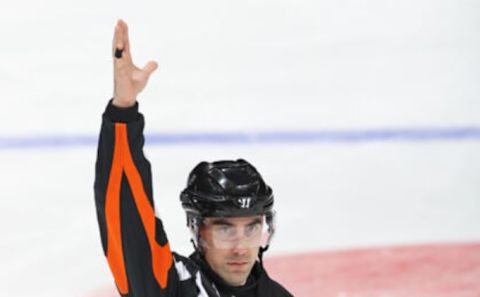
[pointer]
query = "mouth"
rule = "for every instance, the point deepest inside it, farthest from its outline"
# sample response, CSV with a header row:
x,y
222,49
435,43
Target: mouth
x,y
237,263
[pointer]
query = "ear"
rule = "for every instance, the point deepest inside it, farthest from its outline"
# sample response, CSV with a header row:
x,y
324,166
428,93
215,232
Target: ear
x,y
202,234
201,231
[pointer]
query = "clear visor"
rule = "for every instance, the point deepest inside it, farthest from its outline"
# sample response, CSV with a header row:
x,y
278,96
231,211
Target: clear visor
x,y
236,232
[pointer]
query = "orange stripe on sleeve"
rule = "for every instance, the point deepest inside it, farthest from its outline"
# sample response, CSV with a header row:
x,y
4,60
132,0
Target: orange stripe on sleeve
x,y
162,258
112,213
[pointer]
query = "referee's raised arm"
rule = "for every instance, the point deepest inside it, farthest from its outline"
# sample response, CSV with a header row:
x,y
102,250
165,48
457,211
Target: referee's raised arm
x,y
133,239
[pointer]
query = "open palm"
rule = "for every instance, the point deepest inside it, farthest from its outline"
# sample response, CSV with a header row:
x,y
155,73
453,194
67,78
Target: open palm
x,y
129,80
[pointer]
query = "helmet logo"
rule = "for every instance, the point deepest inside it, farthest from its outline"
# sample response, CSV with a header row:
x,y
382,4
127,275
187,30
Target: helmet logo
x,y
244,202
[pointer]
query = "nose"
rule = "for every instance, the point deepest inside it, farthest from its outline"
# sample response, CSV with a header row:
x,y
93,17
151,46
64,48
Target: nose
x,y
240,247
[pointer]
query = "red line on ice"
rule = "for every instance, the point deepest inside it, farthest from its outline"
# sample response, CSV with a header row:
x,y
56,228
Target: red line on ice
x,y
440,270
434,270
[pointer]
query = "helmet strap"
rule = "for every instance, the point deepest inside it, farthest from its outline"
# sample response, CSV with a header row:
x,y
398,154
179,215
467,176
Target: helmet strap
x,y
260,253
193,243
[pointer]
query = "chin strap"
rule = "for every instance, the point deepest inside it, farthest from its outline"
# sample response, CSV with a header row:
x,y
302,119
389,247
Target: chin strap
x,y
260,253
193,243
195,246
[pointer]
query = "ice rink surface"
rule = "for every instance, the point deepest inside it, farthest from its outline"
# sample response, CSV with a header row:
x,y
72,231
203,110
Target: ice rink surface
x,y
406,72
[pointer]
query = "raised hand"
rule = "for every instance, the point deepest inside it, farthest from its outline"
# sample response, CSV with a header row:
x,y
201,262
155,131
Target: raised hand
x,y
129,80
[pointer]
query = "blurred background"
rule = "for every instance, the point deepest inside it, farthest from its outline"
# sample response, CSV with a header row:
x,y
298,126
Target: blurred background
x,y
364,117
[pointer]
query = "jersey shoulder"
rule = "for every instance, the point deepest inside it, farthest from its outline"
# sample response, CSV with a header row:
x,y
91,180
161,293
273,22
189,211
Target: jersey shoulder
x,y
280,291
270,287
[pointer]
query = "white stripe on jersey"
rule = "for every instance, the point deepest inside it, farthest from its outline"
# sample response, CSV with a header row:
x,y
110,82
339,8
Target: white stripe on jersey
x,y
183,273
198,281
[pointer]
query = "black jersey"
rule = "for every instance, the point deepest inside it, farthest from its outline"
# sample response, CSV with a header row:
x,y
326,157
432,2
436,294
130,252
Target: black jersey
x,y
133,239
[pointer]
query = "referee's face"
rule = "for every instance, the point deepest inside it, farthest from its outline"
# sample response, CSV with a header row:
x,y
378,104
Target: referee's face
x,y
231,246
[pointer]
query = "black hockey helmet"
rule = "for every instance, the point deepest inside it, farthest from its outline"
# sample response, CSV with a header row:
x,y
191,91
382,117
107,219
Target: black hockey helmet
x,y
226,189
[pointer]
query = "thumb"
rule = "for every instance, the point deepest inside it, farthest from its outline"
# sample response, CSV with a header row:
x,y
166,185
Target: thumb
x,y
150,67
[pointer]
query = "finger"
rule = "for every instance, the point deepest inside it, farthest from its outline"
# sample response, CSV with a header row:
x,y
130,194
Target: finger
x,y
125,36
125,40
117,39
150,67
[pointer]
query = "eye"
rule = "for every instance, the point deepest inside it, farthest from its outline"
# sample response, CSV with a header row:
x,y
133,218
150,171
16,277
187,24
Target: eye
x,y
252,229
225,230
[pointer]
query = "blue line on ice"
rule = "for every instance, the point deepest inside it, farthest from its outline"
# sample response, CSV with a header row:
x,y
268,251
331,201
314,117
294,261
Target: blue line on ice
x,y
285,137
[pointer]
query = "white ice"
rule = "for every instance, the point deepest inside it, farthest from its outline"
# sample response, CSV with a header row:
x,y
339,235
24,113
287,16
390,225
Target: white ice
x,y
241,66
